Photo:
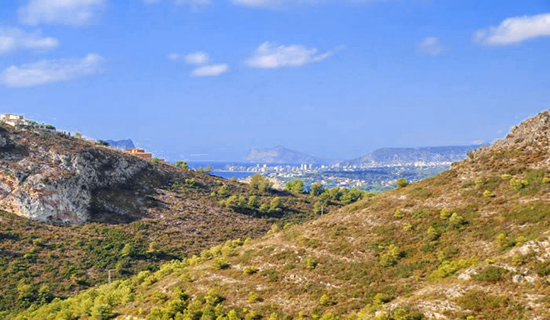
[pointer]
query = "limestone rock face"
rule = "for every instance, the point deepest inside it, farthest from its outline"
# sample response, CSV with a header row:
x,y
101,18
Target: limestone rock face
x,y
530,139
50,178
531,133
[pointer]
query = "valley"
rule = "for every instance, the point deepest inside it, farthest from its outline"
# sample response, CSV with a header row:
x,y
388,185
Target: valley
x,y
470,243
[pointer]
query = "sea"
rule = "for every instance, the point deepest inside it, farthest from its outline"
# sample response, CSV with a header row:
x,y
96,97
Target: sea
x,y
221,168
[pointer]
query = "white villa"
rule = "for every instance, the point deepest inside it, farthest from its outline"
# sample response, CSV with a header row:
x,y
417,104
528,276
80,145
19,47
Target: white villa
x,y
14,120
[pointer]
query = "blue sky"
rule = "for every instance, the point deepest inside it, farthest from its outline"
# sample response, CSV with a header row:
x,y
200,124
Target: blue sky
x,y
210,79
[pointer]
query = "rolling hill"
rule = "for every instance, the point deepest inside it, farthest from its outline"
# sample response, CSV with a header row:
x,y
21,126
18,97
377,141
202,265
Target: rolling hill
x,y
74,210
470,243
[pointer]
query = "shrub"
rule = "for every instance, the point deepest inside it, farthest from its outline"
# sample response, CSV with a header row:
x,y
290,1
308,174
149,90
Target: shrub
x,y
457,221
488,194
253,297
543,268
352,195
518,260
546,180
398,214
275,205
101,312
236,202
503,242
391,256
480,301
402,183
382,298
445,214
316,189
318,207
253,203
221,264
223,191
518,184
449,268
490,274
250,270
310,263
260,183
432,233
326,301
295,186
264,208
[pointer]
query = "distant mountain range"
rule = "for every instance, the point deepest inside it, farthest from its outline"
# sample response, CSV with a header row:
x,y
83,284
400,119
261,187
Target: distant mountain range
x,y
410,156
123,144
281,155
379,157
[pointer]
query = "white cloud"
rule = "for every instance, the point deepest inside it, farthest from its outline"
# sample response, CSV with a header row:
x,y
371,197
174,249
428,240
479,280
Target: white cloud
x,y
67,12
190,2
270,56
50,71
280,3
210,70
197,58
515,30
12,39
431,46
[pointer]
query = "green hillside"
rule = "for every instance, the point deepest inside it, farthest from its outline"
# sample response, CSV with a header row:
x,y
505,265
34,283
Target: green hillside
x,y
191,211
471,243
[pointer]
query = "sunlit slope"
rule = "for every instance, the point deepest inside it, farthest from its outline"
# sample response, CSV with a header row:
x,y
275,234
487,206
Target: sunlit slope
x,y
135,214
471,243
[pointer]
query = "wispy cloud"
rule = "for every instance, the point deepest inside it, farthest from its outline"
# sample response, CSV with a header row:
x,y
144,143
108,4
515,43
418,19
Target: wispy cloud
x,y
210,70
50,71
281,3
199,57
272,3
12,39
195,3
431,46
270,56
67,12
515,30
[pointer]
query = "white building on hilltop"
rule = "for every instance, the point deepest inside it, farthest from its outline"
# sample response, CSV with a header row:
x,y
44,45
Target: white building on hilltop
x,y
14,120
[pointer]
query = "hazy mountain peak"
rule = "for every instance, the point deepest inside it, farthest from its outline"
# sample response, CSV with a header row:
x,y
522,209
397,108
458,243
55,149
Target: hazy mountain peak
x,y
280,154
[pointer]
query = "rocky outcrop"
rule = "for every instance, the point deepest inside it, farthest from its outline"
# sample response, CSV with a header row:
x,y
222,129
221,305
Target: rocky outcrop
x,y
55,179
533,133
530,139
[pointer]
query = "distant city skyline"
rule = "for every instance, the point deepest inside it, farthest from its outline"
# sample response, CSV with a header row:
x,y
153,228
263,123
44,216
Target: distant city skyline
x,y
209,80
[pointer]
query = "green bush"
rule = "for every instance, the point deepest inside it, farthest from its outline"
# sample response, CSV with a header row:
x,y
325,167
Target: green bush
x,y
326,300
449,268
402,183
490,274
518,184
543,268
250,270
390,257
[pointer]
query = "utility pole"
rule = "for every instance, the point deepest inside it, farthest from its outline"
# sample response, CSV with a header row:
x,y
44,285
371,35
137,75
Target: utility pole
x,y
109,274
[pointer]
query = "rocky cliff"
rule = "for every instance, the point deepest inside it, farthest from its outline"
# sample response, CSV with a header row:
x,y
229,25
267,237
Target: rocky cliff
x,y
50,178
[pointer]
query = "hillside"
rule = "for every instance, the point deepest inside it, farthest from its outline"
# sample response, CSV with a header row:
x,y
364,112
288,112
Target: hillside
x,y
470,243
282,155
106,210
410,156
